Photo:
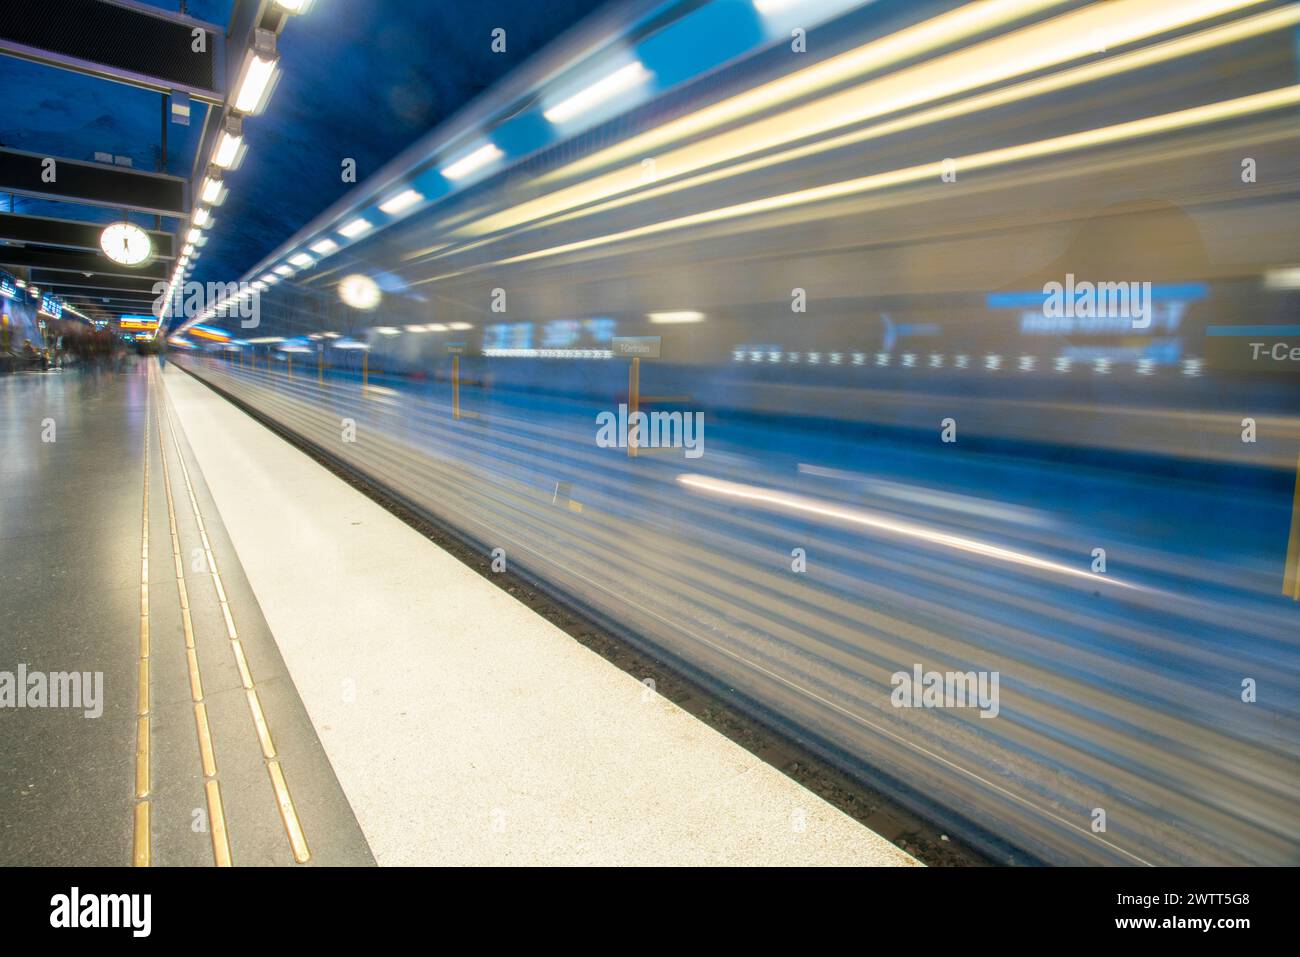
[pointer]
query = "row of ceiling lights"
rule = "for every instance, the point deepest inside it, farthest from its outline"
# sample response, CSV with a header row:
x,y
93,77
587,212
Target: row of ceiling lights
x,y
257,79
461,167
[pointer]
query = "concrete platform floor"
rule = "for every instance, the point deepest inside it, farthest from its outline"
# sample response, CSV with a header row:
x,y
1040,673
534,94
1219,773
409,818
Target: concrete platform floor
x,y
114,560
462,726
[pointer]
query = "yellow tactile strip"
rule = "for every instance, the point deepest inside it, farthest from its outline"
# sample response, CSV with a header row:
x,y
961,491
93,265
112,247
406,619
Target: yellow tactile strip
x,y
284,800
212,787
141,842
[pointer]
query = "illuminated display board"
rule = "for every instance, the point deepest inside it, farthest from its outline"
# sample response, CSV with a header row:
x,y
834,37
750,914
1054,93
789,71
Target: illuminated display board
x,y
139,323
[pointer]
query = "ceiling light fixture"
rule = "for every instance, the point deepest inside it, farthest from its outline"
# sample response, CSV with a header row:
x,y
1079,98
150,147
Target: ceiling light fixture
x,y
595,93
401,201
258,75
355,228
213,191
471,162
231,148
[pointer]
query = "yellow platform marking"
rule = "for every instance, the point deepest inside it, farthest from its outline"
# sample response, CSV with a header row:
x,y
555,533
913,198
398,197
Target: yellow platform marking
x,y
288,812
196,679
142,841
217,819
288,815
207,755
143,677
259,722
140,849
142,757
245,676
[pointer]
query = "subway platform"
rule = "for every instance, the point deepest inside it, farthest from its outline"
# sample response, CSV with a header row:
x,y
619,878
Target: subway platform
x,y
276,670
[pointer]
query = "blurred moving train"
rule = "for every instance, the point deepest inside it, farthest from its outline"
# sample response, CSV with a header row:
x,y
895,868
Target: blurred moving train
x,y
840,245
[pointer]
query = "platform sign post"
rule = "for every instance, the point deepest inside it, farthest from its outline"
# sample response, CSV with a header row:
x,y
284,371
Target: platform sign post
x,y
636,348
633,400
320,364
455,350
365,370
1291,571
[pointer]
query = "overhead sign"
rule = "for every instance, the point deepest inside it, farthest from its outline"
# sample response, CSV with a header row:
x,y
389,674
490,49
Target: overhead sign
x,y
140,323
52,307
638,347
455,348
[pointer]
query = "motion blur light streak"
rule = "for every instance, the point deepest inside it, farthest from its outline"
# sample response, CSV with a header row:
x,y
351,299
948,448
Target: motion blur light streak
x,y
932,34
1023,52
661,318
1274,99
796,503
1283,278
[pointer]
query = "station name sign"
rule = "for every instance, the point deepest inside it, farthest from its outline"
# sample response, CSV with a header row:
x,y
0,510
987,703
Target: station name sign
x,y
1271,348
636,347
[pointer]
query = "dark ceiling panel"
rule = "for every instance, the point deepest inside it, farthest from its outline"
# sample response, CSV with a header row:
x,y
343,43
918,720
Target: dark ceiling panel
x,y
94,183
51,280
78,262
70,234
136,45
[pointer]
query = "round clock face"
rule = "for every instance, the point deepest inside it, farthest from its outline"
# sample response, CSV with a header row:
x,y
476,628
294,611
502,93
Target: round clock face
x,y
126,244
